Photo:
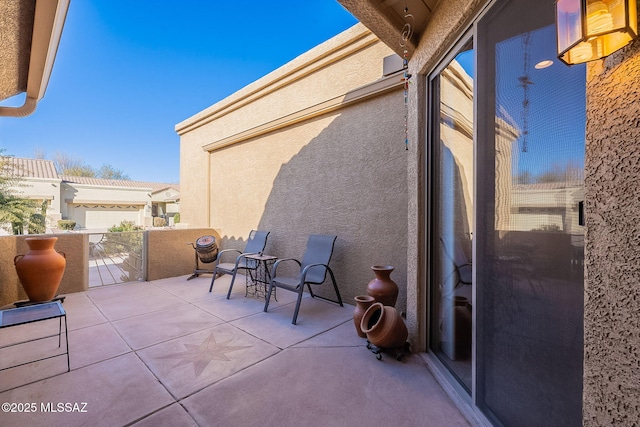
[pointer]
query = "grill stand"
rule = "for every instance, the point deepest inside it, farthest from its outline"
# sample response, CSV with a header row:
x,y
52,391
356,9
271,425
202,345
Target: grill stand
x,y
197,271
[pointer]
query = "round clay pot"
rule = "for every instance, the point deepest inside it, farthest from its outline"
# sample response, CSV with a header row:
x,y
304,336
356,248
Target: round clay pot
x,y
363,302
40,270
384,326
382,288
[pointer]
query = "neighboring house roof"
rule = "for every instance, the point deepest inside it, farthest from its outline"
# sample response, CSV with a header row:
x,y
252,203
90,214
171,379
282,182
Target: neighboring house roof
x,y
154,186
32,168
39,168
549,185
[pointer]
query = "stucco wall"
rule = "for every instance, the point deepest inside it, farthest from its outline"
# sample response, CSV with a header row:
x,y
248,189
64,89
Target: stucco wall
x,y
76,274
170,253
612,258
330,159
341,174
194,178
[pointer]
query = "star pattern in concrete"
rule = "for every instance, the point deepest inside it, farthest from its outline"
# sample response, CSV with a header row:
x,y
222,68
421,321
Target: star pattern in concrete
x,y
201,355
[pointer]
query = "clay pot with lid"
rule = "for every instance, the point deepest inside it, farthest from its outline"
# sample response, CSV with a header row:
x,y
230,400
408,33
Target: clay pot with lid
x,y
40,270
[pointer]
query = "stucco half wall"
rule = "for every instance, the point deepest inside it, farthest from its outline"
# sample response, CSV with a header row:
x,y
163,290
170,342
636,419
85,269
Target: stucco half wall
x,y
169,252
317,146
76,274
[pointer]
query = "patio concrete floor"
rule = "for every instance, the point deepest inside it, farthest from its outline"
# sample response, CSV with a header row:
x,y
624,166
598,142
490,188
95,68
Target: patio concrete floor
x,y
169,353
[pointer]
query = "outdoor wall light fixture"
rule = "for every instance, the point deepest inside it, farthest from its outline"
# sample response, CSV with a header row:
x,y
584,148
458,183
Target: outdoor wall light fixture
x,y
592,29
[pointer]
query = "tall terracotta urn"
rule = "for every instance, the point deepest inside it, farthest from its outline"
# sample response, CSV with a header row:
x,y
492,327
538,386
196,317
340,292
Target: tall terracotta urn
x,y
384,326
382,288
40,270
363,302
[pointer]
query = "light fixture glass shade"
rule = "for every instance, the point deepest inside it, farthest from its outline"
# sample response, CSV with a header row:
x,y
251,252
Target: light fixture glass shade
x,y
592,29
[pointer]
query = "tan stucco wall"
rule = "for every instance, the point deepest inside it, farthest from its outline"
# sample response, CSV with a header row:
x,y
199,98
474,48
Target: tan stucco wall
x,y
76,274
170,253
341,174
340,170
612,253
194,178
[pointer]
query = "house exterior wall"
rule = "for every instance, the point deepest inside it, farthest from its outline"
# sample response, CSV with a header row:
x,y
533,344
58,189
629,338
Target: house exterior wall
x,y
194,179
314,147
612,257
99,207
40,189
611,394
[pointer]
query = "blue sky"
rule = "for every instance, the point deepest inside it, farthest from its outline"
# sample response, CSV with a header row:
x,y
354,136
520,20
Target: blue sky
x,y
128,71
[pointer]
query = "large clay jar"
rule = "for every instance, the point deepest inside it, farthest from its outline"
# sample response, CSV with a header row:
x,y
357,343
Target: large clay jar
x,y
382,288
40,270
363,302
384,326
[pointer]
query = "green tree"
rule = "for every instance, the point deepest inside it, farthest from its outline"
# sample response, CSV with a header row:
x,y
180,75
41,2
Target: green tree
x,y
15,211
562,173
109,172
67,165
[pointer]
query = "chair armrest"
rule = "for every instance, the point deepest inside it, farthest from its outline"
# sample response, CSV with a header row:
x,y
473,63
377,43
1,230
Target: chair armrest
x,y
220,253
306,269
244,255
277,263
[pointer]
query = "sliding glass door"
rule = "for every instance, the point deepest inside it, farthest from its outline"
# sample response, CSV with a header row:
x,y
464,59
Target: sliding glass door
x,y
506,239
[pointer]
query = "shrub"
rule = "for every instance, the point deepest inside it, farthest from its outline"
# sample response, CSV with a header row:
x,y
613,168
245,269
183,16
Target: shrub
x,y
125,226
66,224
123,238
176,218
159,222
37,224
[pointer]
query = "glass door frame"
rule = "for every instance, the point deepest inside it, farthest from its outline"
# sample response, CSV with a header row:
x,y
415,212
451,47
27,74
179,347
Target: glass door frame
x,y
433,121
467,402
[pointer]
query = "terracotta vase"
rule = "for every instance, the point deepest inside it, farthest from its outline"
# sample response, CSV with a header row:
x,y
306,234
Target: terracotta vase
x,y
382,288
363,302
384,326
40,270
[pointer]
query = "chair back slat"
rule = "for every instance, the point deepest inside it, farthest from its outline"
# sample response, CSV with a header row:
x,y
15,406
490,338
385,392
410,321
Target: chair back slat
x,y
256,242
319,251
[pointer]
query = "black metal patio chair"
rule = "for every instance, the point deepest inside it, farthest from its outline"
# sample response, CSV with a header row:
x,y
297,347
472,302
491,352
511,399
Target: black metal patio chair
x,y
313,271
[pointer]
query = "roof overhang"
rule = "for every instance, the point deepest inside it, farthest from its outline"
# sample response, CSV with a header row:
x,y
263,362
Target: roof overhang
x,y
31,31
387,19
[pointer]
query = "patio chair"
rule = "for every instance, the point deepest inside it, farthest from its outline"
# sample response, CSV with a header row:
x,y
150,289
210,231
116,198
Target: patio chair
x,y
255,245
313,271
